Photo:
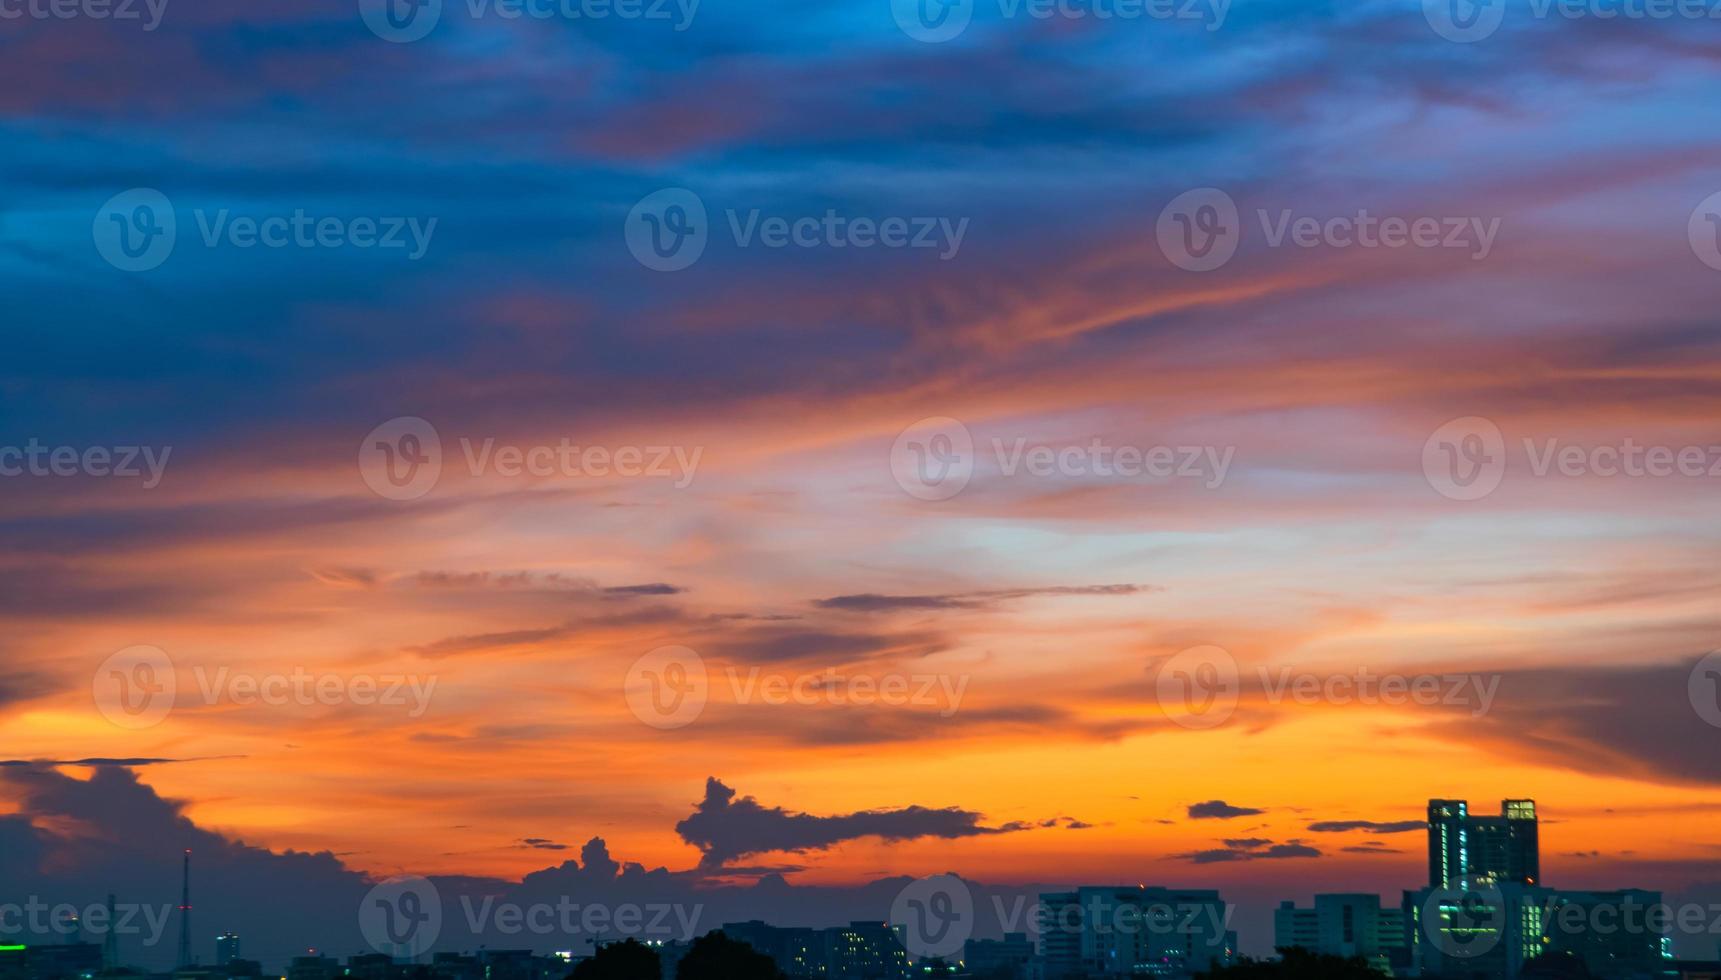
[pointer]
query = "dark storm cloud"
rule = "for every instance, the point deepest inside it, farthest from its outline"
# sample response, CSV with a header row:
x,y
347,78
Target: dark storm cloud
x,y
725,828
75,841
1642,720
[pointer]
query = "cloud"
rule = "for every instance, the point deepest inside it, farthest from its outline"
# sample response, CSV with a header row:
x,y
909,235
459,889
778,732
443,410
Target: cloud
x,y
648,588
1372,826
1220,810
1249,849
874,602
348,578
1636,720
725,829
1068,823
127,763
783,645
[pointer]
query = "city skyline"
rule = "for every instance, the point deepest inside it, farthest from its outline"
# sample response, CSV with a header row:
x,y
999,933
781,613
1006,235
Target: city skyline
x,y
593,899
756,454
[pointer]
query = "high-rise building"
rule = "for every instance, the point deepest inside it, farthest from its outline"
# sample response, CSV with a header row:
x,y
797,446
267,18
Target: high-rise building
x,y
1133,932
226,948
1468,850
1345,925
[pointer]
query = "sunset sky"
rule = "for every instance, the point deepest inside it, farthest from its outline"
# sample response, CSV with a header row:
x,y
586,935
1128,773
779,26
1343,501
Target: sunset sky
x,y
792,549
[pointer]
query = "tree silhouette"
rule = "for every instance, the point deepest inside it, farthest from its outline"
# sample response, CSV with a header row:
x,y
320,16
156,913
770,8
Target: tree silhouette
x,y
629,960
715,956
1556,966
1297,964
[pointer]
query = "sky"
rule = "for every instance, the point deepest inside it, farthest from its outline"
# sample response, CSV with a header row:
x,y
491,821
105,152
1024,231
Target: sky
x,y
423,419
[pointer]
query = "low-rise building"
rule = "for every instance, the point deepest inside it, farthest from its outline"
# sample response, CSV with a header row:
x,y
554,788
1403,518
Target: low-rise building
x,y
999,959
1348,925
1100,932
